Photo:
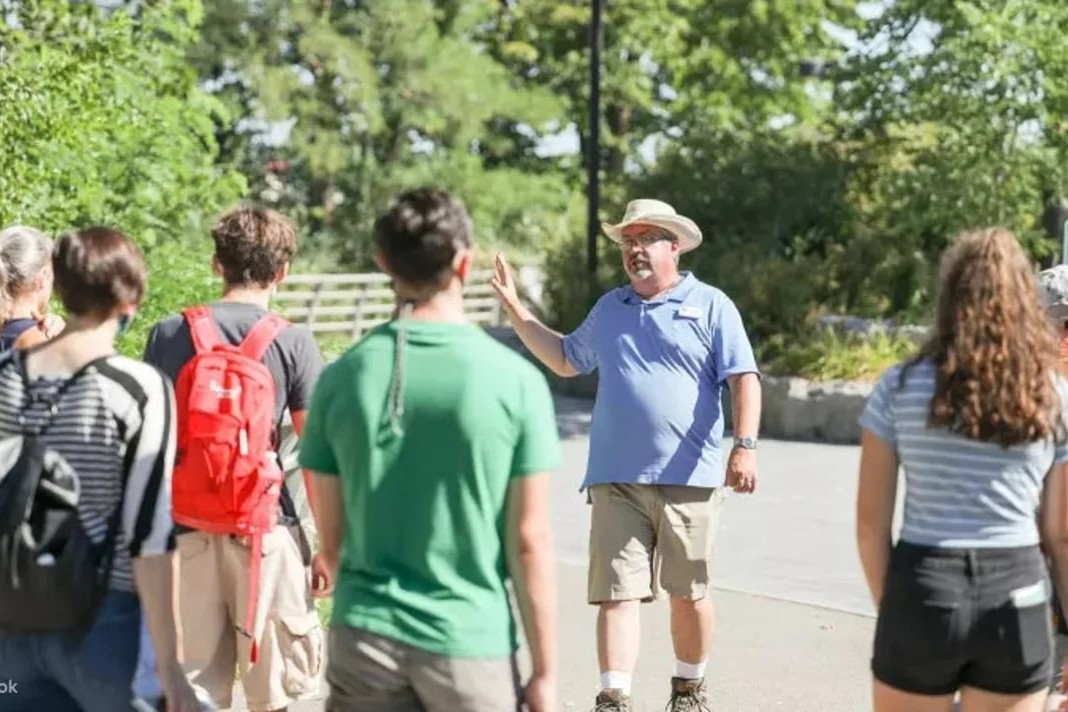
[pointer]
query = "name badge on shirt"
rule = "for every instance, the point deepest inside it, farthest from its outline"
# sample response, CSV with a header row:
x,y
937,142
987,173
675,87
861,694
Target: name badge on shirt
x,y
689,312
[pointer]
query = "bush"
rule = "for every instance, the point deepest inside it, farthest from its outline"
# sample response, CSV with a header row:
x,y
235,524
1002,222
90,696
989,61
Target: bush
x,y
179,275
568,293
828,355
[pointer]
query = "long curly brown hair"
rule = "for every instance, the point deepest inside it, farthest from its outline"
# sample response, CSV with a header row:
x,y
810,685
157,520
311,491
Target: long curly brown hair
x,y
992,345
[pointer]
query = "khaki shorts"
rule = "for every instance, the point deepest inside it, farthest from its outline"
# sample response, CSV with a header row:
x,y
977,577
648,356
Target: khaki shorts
x,y
214,587
370,673
650,539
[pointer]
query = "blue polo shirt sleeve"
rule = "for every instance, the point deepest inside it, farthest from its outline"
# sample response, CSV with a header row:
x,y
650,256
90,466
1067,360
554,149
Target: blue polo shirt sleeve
x,y
732,352
579,345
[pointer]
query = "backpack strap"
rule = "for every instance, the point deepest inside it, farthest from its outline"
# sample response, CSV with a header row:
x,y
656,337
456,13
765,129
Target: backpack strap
x,y
255,563
262,335
202,328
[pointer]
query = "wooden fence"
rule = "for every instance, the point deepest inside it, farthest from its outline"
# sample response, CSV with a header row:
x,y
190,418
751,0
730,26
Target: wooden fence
x,y
350,304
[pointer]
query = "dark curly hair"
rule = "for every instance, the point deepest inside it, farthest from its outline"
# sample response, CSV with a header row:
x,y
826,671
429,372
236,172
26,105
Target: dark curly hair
x,y
420,234
992,346
253,244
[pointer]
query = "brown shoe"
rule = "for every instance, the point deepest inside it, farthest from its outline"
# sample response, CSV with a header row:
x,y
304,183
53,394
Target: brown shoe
x,y
688,696
612,701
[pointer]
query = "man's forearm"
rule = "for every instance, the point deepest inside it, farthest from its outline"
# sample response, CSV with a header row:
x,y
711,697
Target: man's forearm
x,y
745,405
546,345
326,490
154,578
534,579
309,491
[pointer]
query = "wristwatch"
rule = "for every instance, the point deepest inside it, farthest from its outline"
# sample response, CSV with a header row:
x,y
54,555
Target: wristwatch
x,y
746,443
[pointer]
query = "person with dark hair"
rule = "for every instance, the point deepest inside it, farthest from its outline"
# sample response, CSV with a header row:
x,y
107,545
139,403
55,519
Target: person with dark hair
x,y
248,573
86,535
432,445
977,422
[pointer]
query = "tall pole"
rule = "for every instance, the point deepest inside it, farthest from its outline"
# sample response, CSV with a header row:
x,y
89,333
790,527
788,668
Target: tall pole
x,y
1064,244
593,149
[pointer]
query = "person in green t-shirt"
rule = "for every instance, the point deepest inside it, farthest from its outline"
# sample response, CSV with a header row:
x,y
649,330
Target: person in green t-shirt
x,y
432,445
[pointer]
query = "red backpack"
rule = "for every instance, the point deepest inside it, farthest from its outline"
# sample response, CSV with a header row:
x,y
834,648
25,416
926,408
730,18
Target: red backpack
x,y
227,478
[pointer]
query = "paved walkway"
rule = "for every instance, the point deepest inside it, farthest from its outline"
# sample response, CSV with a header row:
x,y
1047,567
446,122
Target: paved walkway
x,y
794,623
768,655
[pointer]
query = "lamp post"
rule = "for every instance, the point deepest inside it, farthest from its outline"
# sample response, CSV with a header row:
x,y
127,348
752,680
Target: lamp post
x,y
813,68
593,145
1064,244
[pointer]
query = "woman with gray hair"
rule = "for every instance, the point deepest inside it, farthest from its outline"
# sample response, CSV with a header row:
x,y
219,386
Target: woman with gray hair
x,y
25,288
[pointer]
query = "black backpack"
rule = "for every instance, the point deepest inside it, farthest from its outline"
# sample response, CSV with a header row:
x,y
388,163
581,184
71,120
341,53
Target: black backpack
x,y
52,576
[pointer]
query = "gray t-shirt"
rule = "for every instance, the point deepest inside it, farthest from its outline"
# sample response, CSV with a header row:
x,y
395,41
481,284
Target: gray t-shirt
x,y
294,359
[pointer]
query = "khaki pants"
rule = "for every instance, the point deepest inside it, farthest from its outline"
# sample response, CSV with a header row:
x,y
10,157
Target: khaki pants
x,y
648,539
371,673
214,588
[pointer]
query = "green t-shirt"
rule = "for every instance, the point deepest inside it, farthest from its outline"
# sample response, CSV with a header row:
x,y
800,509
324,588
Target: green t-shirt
x,y
423,556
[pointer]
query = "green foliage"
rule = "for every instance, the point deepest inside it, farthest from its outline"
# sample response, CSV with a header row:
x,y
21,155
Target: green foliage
x,y
103,122
827,355
953,112
816,195
568,291
179,276
351,102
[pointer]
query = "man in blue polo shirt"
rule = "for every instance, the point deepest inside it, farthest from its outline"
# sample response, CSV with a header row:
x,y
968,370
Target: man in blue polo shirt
x,y
664,347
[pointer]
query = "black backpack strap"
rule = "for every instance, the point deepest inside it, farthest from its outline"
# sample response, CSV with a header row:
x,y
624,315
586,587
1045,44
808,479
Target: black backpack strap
x,y
53,401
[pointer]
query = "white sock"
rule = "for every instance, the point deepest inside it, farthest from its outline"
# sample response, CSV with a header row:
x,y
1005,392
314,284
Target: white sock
x,y
616,681
689,671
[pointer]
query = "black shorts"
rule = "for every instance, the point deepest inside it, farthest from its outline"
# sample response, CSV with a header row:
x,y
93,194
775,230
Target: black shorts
x,y
953,618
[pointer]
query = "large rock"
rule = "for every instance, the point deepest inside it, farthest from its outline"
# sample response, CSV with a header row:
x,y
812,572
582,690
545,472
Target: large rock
x,y
798,409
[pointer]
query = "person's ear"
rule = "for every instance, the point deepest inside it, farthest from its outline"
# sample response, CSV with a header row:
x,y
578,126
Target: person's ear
x,y
216,266
281,275
40,282
461,264
380,260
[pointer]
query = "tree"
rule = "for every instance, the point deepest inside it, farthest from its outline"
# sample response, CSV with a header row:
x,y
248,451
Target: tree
x,y
955,114
344,103
104,124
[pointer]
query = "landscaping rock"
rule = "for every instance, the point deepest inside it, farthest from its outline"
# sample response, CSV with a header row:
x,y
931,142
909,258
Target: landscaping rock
x,y
799,409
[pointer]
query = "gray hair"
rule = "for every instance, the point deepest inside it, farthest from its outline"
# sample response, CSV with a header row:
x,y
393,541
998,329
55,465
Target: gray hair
x,y
24,252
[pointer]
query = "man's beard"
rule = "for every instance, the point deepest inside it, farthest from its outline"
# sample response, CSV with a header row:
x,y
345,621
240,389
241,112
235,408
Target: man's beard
x,y
640,269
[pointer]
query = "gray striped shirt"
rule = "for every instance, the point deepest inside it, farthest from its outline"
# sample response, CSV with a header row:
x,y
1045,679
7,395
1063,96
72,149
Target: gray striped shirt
x,y
959,493
117,417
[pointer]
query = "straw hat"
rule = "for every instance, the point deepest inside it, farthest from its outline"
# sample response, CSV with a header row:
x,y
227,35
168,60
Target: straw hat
x,y
656,212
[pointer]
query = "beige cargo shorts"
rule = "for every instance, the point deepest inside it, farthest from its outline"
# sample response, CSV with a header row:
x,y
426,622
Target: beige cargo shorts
x,y
647,540
213,573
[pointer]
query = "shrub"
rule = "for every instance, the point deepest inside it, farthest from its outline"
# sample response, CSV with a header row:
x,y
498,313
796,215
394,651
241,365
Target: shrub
x,y
179,275
827,355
